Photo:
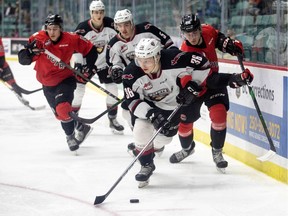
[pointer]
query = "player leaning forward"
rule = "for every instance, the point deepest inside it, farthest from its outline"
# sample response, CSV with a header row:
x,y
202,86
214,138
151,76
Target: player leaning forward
x,y
154,84
58,81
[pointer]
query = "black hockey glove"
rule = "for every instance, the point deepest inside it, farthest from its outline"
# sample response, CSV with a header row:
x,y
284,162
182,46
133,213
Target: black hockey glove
x,y
158,120
189,93
32,48
87,73
233,47
116,73
238,80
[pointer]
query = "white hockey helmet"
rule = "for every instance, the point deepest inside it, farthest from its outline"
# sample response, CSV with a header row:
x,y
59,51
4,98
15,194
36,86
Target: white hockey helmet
x,y
96,5
123,16
147,48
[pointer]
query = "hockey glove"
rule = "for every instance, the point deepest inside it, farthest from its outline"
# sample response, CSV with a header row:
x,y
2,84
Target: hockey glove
x,y
189,93
233,47
116,73
86,72
32,48
238,80
158,120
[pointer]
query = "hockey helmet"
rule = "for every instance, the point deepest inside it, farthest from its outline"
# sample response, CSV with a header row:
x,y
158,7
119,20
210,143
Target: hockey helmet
x,y
53,19
190,23
97,5
123,16
147,48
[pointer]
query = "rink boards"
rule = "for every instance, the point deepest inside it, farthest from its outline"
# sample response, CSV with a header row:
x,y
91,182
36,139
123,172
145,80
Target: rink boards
x,y
246,139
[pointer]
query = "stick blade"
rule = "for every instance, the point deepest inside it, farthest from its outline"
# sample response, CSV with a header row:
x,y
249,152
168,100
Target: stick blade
x,y
99,199
267,156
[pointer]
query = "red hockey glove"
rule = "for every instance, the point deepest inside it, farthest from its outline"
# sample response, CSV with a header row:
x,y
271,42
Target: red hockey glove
x,y
238,47
238,80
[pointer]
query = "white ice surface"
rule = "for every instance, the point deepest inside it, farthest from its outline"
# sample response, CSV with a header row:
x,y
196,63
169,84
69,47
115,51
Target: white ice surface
x,y
39,176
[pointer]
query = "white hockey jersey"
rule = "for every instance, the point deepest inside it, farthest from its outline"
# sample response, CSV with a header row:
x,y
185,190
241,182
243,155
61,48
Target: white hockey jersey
x,y
144,91
121,52
99,38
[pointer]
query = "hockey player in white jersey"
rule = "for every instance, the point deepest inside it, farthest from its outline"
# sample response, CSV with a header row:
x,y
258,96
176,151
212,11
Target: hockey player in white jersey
x,y
154,84
151,85
120,50
99,29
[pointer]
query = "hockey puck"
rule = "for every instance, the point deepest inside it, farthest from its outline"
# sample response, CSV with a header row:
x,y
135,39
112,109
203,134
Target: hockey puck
x,y
134,200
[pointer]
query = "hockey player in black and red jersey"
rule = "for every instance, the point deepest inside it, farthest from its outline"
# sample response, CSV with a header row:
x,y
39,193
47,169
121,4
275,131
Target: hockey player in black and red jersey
x,y
58,81
205,39
154,83
120,50
99,29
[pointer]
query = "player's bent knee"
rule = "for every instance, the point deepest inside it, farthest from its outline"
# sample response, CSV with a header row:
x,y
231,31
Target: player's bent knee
x,y
62,111
185,129
142,133
218,116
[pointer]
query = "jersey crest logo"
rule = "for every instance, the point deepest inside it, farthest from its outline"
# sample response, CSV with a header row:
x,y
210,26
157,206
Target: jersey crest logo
x,y
123,48
100,45
176,58
159,95
47,43
147,26
127,76
148,86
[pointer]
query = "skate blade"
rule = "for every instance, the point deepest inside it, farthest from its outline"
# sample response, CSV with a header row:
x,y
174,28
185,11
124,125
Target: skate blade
x,y
75,153
142,184
221,170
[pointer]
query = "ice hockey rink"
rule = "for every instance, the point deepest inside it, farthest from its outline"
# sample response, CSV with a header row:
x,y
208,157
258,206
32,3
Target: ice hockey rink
x,y
39,176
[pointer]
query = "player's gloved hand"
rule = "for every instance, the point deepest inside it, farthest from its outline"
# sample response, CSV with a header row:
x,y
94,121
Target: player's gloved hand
x,y
234,47
189,93
87,73
238,80
238,49
116,73
158,120
32,48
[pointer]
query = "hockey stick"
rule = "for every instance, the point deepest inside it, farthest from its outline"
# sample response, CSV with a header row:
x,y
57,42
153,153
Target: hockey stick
x,y
272,150
92,120
51,55
100,199
23,91
22,100
27,92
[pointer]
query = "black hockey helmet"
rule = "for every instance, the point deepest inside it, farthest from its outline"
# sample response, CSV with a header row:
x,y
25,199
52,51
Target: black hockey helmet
x,y
53,19
190,23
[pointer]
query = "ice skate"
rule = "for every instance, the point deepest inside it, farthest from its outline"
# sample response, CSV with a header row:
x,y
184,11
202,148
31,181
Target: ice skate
x,y
115,126
221,164
72,142
144,174
177,157
82,133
